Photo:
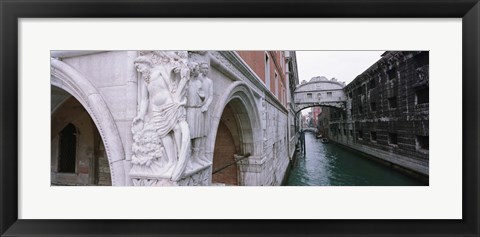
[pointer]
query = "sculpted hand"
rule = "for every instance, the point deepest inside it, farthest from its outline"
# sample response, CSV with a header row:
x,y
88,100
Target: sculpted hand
x,y
137,119
137,124
204,108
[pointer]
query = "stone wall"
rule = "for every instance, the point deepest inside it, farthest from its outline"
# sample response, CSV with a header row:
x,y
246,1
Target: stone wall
x,y
114,76
275,143
387,113
103,168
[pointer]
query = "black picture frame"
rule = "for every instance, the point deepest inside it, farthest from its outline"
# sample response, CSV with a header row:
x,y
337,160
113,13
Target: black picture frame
x,y
11,11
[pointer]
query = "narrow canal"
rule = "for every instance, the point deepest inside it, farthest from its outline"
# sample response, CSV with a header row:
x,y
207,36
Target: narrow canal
x,y
328,164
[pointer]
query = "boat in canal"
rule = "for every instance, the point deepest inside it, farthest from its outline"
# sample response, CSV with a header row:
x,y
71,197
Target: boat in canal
x,y
324,140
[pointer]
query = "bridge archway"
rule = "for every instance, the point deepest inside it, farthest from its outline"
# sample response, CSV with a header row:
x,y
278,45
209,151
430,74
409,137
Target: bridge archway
x,y
320,91
70,80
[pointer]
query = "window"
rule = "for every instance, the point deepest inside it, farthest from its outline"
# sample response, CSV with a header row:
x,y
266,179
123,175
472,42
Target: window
x,y
373,136
329,94
351,132
373,106
392,74
372,84
361,90
267,71
68,149
421,59
392,102
276,83
422,142
360,134
360,109
421,96
392,139
309,96
345,132
333,115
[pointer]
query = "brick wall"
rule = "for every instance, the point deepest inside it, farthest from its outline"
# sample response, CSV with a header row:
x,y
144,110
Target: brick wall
x,y
256,61
224,155
103,168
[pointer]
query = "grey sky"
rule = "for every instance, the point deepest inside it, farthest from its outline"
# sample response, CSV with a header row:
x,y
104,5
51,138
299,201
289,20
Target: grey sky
x,y
343,65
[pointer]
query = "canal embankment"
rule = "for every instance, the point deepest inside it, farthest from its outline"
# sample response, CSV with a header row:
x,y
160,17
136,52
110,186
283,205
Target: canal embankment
x,y
422,177
330,164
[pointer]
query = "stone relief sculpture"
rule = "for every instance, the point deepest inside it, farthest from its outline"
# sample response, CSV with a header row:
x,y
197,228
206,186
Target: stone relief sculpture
x,y
199,98
161,136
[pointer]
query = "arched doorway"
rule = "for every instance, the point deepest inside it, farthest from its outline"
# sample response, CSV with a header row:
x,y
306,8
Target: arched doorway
x,y
78,154
227,144
238,137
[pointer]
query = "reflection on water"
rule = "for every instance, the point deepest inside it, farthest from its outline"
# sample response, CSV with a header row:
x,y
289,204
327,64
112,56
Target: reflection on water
x,y
332,165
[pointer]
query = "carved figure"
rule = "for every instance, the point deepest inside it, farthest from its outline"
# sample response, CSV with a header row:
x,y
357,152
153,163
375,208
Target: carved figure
x,y
199,98
161,137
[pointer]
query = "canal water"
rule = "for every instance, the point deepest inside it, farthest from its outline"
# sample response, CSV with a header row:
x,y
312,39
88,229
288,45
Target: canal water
x,y
328,164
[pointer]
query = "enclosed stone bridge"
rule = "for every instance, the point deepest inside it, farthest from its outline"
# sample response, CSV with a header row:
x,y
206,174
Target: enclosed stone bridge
x,y
320,91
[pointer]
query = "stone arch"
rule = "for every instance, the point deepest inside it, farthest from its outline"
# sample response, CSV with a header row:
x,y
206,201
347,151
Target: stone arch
x,y
320,92
86,153
335,106
248,119
73,82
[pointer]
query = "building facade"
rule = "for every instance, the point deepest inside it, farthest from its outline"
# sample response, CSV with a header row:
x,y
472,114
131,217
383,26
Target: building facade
x,y
104,104
323,122
315,113
387,112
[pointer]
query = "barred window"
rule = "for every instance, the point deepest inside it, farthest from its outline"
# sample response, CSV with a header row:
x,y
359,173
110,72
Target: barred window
x,y
373,136
392,74
360,134
392,138
422,142
392,102
421,95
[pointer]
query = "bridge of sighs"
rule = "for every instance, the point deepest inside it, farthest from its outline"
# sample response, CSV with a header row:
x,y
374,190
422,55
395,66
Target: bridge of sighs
x,y
320,91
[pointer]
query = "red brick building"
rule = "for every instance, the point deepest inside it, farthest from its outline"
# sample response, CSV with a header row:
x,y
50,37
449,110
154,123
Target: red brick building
x,y
315,113
270,67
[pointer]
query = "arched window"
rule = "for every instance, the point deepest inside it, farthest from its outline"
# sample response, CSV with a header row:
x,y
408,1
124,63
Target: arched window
x,y
68,149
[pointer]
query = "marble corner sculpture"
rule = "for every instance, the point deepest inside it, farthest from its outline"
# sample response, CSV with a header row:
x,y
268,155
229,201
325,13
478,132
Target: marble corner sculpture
x,y
175,96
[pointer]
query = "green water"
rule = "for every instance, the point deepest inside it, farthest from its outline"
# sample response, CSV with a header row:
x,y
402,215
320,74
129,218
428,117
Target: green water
x,y
332,165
